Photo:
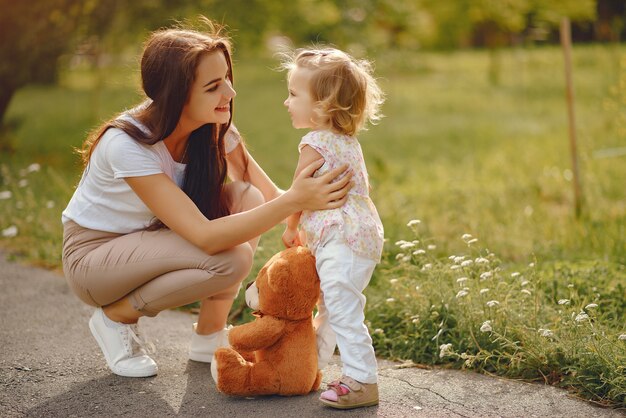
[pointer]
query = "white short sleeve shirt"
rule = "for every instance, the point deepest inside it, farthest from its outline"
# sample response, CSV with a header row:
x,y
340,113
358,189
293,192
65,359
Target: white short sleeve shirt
x,y
104,201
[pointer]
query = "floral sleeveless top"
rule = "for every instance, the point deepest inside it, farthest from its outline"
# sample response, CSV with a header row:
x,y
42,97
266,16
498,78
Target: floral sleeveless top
x,y
357,219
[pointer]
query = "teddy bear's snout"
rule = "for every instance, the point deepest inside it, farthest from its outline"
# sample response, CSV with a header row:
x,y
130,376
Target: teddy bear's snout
x,y
252,295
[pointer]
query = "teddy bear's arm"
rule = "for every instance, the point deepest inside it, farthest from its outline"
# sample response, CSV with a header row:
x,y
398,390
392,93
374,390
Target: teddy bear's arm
x,y
255,335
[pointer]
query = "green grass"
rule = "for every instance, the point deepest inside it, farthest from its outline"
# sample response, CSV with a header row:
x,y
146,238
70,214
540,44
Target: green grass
x,y
455,151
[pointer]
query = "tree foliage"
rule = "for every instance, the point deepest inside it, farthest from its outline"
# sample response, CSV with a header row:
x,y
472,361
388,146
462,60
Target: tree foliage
x,y
35,33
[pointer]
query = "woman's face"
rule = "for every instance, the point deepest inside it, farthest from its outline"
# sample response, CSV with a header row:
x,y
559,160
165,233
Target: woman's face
x,y
210,94
299,103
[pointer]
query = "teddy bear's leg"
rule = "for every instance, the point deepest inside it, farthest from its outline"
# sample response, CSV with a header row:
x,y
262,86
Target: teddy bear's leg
x,y
234,375
246,355
318,381
225,360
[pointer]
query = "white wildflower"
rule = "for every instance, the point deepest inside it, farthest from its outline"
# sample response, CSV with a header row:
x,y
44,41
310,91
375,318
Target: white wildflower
x,y
582,316
415,320
526,292
455,267
378,331
406,258
591,306
545,332
419,252
564,301
525,282
515,274
50,204
531,265
571,286
399,256
458,259
462,293
486,275
472,241
461,280
22,183
399,243
407,245
413,222
415,241
467,263
486,327
452,257
445,350
483,291
492,303
417,288
481,260
390,300
393,281
622,337
432,247
466,237
6,194
427,266
33,167
10,232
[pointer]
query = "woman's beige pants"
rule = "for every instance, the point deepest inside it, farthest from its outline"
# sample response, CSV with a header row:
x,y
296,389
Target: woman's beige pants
x,y
157,270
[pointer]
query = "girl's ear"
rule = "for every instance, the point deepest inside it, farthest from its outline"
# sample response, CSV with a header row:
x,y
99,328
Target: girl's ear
x,y
320,116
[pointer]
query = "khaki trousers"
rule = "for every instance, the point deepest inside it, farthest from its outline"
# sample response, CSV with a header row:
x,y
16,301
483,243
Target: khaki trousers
x,y
157,270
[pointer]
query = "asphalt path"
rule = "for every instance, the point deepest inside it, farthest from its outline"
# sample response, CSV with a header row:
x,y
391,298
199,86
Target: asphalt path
x,y
50,366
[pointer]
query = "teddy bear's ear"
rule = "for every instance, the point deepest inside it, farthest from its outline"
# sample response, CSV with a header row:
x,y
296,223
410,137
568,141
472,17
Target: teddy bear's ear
x,y
278,274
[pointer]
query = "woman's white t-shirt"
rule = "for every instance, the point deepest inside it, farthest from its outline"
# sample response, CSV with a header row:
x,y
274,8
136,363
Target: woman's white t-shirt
x,y
103,200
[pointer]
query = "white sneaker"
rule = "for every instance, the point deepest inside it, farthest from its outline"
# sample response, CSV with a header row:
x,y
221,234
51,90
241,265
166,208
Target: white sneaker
x,y
203,347
123,350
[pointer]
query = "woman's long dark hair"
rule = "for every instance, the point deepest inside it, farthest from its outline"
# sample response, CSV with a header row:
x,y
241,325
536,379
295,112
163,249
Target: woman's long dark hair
x,y
168,69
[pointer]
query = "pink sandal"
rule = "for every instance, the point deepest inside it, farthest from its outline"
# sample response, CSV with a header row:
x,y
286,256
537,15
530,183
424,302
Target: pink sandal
x,y
347,393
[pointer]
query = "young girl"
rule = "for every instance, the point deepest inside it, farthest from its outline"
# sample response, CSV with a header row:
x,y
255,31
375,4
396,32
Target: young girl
x,y
334,95
152,224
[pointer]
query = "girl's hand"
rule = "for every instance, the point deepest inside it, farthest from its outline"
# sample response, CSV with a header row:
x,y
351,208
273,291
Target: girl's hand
x,y
291,238
319,193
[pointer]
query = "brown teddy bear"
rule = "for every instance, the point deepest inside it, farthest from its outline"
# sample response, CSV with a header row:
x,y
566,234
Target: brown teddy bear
x,y
280,343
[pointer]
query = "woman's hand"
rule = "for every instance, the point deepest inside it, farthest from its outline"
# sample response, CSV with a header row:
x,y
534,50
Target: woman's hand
x,y
319,193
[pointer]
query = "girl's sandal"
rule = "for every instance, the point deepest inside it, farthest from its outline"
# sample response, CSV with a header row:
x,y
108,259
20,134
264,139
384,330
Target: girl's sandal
x,y
351,394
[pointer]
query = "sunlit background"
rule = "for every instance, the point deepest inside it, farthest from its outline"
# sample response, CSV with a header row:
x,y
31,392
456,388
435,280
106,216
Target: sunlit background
x,y
475,141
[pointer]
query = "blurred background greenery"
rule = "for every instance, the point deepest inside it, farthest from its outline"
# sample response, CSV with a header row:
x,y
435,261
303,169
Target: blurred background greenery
x,y
474,141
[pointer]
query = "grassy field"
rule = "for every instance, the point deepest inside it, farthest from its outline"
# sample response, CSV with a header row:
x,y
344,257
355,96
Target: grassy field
x,y
456,152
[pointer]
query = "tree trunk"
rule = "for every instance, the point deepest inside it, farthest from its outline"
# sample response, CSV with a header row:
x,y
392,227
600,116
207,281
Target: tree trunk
x,y
6,94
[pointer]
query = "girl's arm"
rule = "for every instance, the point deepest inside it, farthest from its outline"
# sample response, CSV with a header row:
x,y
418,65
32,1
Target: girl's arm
x,y
290,236
176,210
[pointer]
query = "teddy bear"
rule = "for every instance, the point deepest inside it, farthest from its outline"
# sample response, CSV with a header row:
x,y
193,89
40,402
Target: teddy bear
x,y
277,352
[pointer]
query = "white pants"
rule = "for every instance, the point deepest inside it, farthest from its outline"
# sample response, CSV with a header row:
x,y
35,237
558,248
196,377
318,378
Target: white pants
x,y
340,318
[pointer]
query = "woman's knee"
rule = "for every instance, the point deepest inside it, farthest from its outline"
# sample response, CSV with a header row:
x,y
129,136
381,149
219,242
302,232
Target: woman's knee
x,y
243,196
232,265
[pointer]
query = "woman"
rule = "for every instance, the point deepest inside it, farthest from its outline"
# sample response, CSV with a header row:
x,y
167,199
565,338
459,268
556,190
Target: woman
x,y
152,224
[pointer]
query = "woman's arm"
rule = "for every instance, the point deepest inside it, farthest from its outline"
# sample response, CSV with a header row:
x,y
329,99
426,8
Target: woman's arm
x,y
174,208
291,237
252,172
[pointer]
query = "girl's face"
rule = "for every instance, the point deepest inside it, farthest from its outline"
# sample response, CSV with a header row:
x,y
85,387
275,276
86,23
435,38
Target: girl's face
x,y
299,103
210,94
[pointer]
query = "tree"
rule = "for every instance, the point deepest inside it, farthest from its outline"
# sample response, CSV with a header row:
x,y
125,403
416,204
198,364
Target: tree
x,y
35,33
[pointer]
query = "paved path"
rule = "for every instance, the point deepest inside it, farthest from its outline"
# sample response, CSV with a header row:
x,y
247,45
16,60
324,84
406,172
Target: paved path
x,y
51,367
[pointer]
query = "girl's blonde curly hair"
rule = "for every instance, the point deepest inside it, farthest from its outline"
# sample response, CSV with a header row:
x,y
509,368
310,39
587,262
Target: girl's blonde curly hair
x,y
344,88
